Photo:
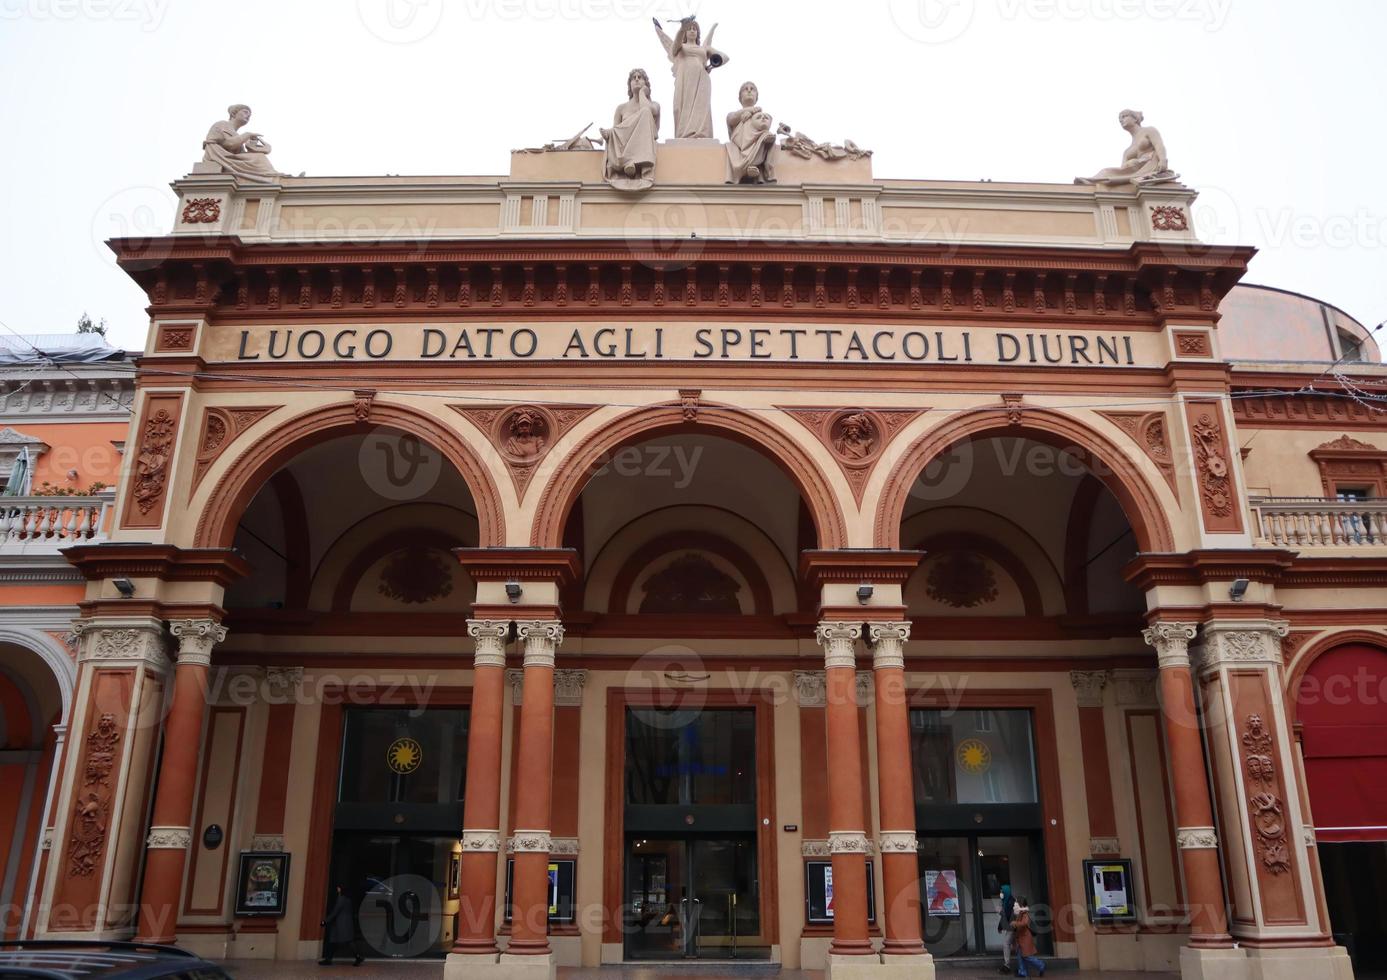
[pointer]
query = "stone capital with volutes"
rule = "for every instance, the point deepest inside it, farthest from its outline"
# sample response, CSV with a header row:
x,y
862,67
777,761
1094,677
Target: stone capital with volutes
x,y
196,638
568,688
809,688
888,644
541,638
1089,686
839,641
1171,641
489,641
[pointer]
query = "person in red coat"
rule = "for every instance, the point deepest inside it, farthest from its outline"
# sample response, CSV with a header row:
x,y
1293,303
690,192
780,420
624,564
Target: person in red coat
x,y
1025,941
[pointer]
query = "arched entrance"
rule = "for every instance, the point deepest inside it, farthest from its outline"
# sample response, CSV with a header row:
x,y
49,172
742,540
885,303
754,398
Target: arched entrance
x,y
1341,710
36,682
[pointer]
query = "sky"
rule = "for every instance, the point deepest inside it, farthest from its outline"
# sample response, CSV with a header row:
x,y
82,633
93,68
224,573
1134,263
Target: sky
x,y
1271,109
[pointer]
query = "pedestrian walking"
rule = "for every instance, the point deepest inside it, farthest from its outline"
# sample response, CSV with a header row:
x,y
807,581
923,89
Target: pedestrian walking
x,y
1005,912
340,929
1026,956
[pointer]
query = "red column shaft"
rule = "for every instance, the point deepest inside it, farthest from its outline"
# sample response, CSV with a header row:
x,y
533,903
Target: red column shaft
x,y
476,928
900,870
173,803
845,812
1193,808
533,805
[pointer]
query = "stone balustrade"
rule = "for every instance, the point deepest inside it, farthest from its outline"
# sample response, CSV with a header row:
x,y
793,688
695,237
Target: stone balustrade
x,y
1314,522
51,522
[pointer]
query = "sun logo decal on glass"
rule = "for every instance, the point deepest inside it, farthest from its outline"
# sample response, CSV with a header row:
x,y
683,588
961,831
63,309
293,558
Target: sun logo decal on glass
x,y
404,756
974,756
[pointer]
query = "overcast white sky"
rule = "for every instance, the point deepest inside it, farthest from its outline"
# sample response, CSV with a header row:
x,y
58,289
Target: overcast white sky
x,y
1273,109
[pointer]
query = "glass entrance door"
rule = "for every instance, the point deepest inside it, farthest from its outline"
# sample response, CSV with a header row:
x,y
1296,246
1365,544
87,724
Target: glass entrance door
x,y
693,897
961,881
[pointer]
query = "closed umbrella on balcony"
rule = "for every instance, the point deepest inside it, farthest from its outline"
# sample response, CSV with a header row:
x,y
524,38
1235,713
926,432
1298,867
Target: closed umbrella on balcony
x,y
18,483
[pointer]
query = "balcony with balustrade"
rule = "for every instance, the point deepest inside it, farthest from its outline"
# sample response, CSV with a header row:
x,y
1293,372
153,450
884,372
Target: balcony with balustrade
x,y
1318,523
43,525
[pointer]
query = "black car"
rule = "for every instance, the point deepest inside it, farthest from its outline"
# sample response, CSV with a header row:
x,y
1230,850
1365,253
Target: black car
x,y
61,959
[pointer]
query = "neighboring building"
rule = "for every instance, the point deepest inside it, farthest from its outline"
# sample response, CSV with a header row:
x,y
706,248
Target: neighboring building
x,y
64,411
710,570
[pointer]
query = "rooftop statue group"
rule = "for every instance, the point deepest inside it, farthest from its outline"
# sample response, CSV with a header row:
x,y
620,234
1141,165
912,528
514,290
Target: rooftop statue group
x,y
629,144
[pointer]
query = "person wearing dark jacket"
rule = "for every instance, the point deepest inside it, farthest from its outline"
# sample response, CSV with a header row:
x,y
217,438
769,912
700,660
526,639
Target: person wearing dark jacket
x,y
1005,912
1025,941
340,929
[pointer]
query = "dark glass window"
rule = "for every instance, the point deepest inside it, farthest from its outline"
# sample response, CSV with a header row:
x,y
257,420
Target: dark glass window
x,y
394,755
690,757
972,756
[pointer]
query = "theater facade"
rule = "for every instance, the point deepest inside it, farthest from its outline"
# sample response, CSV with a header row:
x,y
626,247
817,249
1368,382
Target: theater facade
x,y
587,566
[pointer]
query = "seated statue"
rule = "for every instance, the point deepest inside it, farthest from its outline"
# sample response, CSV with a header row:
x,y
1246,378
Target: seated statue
x,y
630,163
1143,162
243,154
750,141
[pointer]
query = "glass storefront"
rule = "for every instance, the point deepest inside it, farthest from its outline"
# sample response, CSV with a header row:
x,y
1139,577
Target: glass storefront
x,y
395,846
692,885
979,823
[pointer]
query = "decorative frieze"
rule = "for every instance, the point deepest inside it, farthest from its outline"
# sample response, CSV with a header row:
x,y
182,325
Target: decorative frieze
x,y
124,642
809,688
481,841
563,846
1088,687
1196,838
268,842
1242,642
1136,688
530,842
282,683
1104,846
814,849
169,838
897,842
848,842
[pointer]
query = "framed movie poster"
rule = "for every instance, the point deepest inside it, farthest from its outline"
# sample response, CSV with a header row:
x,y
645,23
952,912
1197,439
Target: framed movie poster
x,y
261,883
818,892
941,893
561,876
454,875
1108,887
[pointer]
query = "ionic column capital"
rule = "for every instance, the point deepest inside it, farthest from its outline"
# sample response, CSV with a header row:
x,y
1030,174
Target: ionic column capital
x,y
541,638
1172,642
196,638
489,641
888,644
839,642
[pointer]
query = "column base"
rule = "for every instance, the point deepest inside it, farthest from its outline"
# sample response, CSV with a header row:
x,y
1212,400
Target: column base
x,y
1223,963
1298,963
874,967
459,966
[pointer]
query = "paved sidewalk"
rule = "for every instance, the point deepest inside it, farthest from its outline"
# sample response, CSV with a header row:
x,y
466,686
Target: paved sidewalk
x,y
433,969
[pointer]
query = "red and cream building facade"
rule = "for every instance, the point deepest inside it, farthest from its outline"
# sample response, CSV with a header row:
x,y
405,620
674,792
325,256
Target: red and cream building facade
x,y
772,572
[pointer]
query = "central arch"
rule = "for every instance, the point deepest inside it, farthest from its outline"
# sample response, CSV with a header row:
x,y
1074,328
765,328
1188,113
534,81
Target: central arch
x,y
1108,462
563,489
252,470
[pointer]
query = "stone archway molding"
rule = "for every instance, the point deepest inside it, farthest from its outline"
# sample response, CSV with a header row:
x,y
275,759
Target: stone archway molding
x,y
567,483
251,471
1111,464
52,653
